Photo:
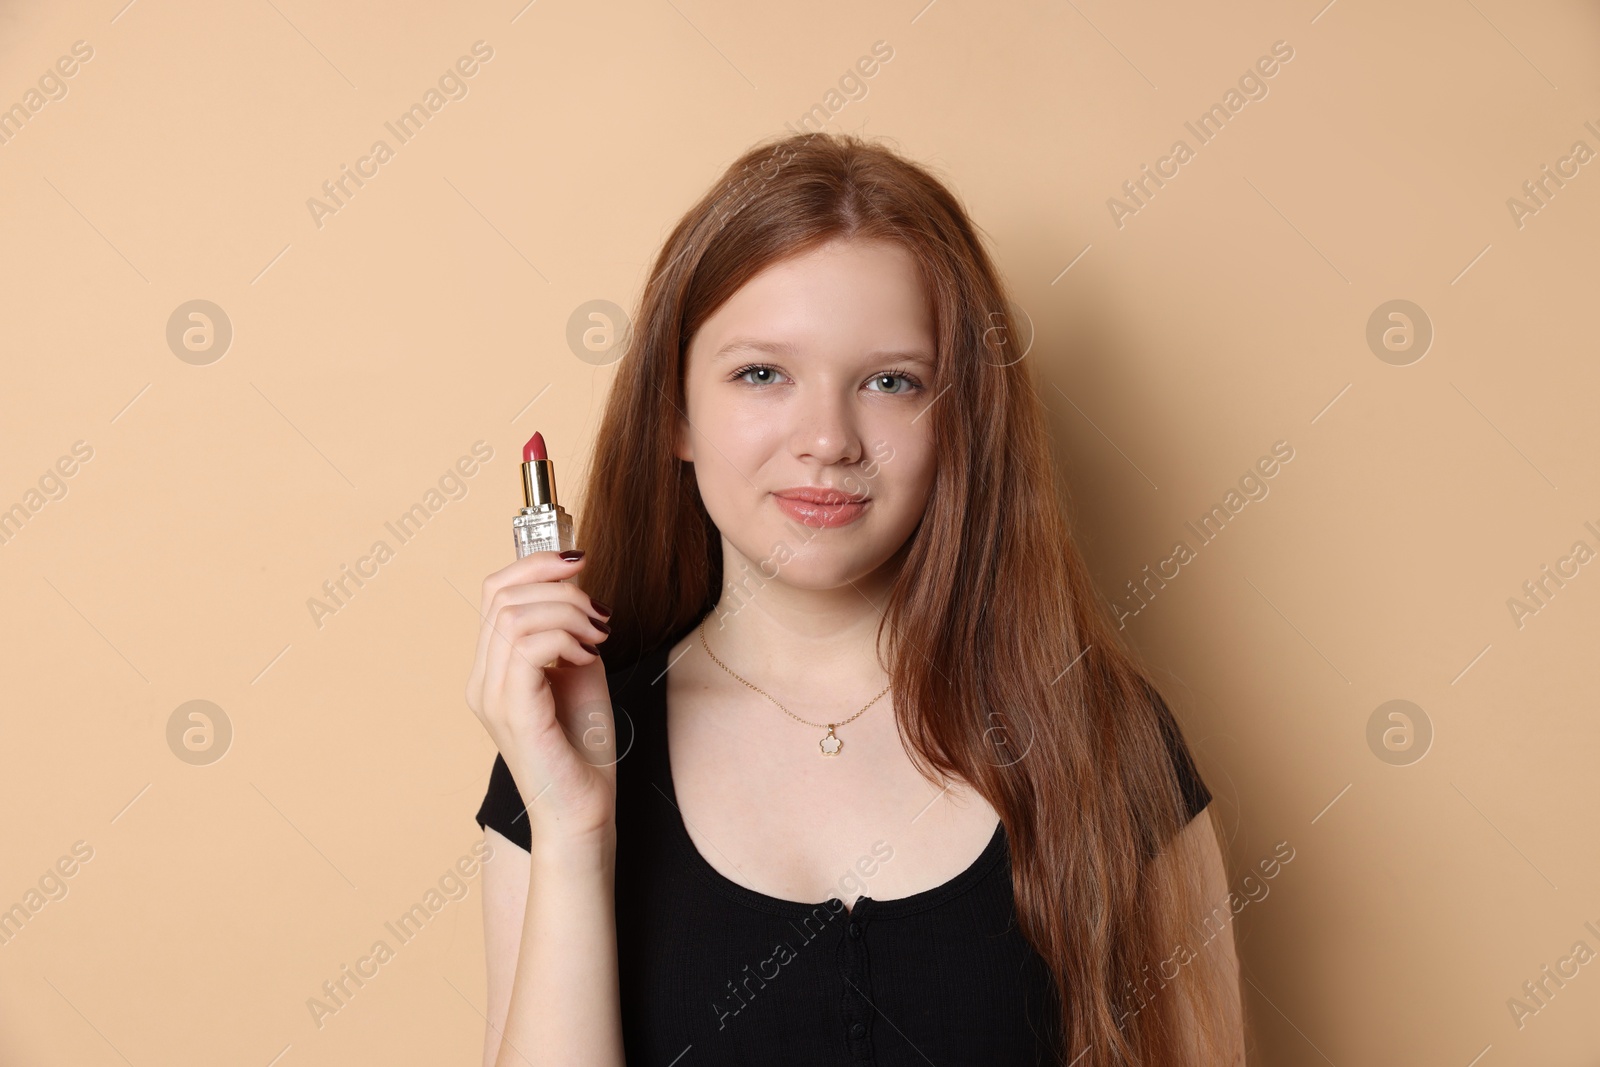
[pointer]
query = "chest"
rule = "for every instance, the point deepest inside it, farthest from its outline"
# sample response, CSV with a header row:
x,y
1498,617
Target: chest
x,y
766,809
730,833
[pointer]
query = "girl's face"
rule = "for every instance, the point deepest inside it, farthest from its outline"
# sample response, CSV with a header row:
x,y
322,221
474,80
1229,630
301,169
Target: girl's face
x,y
815,375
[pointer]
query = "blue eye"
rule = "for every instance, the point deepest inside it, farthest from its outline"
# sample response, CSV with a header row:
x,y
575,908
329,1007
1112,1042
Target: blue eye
x,y
893,376
768,375
756,368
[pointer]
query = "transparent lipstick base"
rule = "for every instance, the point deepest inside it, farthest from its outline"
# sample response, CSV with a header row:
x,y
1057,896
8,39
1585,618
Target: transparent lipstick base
x,y
542,531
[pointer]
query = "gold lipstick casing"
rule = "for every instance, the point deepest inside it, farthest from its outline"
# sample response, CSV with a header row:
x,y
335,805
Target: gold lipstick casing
x,y
542,525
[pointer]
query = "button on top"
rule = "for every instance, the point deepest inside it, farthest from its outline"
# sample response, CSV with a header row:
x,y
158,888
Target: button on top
x,y
855,928
857,1029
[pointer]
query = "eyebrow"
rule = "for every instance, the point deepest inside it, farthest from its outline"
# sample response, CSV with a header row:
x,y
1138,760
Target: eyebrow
x,y
740,345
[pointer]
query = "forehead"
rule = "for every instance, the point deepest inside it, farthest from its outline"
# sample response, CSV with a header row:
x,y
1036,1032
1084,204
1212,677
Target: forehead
x,y
847,296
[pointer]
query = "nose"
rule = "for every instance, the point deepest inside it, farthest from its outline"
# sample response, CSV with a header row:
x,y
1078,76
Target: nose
x,y
825,429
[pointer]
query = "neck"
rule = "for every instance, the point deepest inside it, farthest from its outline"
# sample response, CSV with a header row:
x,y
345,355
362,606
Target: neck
x,y
800,639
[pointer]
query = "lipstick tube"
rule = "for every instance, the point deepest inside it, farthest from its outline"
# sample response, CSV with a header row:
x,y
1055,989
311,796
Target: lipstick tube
x,y
542,525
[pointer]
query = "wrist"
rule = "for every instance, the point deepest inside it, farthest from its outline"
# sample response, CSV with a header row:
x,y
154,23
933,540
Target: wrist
x,y
573,849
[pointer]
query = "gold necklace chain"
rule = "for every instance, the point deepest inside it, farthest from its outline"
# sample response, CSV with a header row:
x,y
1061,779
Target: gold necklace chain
x,y
831,744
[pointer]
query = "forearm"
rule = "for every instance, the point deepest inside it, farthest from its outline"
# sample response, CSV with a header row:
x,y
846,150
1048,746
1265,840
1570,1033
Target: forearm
x,y
565,1008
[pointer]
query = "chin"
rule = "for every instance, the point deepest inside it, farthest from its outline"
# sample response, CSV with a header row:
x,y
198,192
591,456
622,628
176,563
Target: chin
x,y
820,569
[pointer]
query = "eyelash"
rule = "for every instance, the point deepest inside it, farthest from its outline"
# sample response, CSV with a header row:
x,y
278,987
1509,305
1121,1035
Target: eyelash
x,y
896,372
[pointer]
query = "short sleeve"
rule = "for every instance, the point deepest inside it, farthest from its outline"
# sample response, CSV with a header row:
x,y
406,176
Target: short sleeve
x,y
502,806
1195,794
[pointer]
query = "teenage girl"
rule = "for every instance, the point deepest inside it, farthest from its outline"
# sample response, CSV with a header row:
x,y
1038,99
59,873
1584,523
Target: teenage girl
x,y
824,749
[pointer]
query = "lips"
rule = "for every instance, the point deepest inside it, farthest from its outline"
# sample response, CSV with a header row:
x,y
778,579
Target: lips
x,y
821,508
813,495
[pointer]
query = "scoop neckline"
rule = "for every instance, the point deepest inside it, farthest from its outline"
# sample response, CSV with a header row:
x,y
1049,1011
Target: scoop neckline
x,y
655,669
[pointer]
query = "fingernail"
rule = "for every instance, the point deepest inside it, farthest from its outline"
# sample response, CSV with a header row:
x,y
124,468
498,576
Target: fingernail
x,y
598,625
587,647
601,608
572,555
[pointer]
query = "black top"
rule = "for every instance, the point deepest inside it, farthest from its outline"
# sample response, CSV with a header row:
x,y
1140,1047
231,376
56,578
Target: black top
x,y
713,973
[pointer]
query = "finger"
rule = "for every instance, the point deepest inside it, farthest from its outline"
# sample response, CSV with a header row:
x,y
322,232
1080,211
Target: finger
x,y
524,670
523,593
501,649
512,622
545,566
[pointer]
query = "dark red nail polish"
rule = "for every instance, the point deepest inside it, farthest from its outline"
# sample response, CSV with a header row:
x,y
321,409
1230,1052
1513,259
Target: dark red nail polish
x,y
587,647
601,608
572,555
598,625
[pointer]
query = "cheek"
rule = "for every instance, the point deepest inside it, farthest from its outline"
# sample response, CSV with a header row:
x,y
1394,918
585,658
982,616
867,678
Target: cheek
x,y
733,449
917,492
743,440
904,464
734,430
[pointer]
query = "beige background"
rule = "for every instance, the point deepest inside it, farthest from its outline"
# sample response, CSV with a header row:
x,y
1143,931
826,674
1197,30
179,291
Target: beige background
x,y
431,312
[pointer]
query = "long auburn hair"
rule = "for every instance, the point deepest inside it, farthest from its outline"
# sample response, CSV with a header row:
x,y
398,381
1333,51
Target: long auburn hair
x,y
991,605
